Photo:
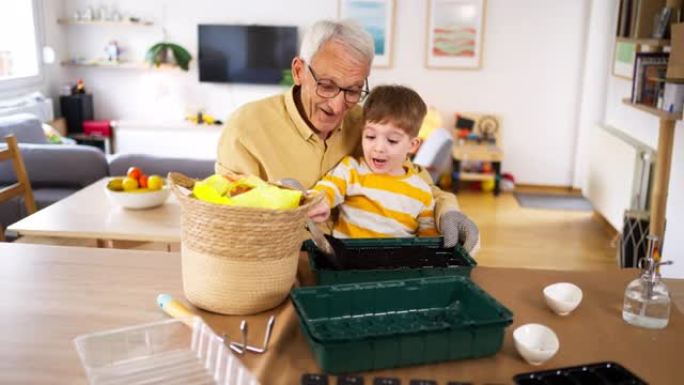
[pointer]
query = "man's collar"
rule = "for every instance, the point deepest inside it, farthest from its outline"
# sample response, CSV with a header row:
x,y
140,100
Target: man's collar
x,y
300,122
291,106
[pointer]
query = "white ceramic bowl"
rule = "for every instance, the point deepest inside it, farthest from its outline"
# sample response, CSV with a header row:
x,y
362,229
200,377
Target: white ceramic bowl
x,y
563,297
139,200
536,343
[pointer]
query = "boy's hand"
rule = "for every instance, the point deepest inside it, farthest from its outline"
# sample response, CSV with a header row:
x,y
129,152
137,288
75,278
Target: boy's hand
x,y
458,228
319,212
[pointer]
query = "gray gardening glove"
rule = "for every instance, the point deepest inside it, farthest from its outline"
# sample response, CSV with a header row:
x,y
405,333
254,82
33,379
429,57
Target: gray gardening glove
x,y
458,228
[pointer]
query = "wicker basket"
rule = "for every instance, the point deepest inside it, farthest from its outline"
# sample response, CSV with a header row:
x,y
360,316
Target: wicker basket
x,y
237,260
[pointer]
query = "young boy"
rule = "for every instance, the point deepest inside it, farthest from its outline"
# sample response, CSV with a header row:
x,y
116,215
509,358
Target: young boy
x,y
380,194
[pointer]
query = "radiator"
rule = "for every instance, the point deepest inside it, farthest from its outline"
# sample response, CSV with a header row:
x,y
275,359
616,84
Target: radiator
x,y
34,103
619,175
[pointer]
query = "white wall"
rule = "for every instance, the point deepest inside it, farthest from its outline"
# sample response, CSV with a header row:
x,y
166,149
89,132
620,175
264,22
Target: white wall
x,y
530,75
602,17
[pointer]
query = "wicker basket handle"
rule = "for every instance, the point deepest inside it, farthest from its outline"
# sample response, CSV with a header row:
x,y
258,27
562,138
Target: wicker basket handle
x,y
180,184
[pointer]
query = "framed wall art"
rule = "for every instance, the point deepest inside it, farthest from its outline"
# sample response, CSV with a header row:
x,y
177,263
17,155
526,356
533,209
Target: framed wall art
x,y
454,35
376,17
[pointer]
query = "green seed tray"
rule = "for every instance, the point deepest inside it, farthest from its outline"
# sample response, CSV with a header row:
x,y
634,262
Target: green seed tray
x,y
377,325
381,259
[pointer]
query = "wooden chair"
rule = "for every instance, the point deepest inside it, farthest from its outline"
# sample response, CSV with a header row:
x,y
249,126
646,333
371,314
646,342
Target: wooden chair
x,y
23,186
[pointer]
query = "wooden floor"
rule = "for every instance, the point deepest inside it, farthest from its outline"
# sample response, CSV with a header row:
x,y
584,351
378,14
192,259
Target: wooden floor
x,y
514,236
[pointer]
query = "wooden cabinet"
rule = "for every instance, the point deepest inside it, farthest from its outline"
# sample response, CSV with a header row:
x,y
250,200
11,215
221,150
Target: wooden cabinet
x,y
477,152
166,139
483,147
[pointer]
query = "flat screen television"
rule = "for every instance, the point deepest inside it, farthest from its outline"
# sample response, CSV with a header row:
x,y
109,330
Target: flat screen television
x,y
245,53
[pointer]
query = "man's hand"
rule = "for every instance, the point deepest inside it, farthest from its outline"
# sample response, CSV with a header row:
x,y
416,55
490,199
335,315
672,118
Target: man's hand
x,y
458,228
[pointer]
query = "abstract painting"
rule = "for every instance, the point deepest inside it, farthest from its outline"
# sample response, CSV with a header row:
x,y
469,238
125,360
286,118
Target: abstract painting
x,y
376,17
455,29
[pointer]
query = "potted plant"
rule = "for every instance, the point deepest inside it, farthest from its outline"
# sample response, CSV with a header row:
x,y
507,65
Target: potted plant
x,y
169,53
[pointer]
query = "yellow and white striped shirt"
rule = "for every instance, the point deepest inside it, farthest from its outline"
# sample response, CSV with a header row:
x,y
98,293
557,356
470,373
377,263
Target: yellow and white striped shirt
x,y
378,205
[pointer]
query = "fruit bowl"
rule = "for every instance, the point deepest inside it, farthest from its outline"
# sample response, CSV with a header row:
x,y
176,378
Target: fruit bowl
x,y
139,198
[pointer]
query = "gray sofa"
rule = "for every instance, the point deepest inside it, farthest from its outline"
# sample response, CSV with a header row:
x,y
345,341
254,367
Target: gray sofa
x,y
58,170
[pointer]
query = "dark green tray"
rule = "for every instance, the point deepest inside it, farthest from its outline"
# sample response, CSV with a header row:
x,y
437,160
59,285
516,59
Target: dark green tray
x,y
376,325
381,259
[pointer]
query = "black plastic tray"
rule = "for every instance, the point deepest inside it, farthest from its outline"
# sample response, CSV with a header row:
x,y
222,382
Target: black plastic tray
x,y
380,259
601,373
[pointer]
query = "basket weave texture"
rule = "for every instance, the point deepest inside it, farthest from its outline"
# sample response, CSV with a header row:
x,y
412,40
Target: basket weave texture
x,y
237,260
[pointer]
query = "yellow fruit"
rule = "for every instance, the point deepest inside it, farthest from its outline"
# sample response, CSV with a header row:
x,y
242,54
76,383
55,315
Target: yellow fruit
x,y
129,184
115,184
155,182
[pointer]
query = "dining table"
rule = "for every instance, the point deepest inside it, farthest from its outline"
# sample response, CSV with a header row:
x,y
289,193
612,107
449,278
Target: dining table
x,y
49,295
89,214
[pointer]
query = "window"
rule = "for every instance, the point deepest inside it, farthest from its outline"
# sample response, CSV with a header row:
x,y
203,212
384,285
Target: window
x,y
19,58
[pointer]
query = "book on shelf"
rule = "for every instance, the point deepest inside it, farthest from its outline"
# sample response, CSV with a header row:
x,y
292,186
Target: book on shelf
x,y
624,18
653,84
646,12
656,64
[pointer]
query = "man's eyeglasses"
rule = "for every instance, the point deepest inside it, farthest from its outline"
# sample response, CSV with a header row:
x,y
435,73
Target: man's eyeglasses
x,y
327,89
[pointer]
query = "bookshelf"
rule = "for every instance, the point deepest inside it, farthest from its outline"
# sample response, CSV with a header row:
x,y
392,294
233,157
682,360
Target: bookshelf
x,y
645,41
638,21
660,113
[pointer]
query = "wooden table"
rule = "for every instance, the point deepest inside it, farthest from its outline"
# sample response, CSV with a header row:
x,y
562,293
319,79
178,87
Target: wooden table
x,y
52,294
88,214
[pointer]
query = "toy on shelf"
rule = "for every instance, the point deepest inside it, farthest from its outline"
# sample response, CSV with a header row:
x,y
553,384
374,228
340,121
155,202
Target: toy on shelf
x,y
202,118
113,51
477,154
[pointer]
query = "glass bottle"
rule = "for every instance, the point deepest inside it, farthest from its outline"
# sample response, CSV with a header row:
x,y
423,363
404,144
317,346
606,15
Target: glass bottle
x,y
647,300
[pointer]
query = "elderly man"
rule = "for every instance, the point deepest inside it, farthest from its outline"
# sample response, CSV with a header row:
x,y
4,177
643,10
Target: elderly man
x,y
306,131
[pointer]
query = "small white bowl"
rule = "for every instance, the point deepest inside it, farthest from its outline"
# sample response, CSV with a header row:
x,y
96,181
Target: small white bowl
x,y
563,297
139,200
536,343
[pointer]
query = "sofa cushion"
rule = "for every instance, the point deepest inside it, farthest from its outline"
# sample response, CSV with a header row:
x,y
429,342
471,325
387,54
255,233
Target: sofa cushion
x,y
26,128
150,164
55,165
44,197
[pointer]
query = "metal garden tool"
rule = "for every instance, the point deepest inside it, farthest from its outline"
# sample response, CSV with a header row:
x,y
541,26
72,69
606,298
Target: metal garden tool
x,y
245,347
317,235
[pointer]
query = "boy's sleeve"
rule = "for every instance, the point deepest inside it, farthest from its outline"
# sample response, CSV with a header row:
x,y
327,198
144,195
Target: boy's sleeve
x,y
426,221
444,200
334,184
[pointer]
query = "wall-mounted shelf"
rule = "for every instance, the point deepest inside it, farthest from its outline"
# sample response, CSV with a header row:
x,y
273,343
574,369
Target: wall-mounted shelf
x,y
121,23
645,41
662,114
122,65
107,64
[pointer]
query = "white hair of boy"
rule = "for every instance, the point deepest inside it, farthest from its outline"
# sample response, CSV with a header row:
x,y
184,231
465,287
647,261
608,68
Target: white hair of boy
x,y
346,32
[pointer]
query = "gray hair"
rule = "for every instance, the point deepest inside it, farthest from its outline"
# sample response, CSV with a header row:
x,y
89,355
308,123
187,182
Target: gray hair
x,y
346,32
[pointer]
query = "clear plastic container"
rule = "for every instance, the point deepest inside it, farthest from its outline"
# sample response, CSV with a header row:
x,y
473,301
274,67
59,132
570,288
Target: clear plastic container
x,y
167,352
